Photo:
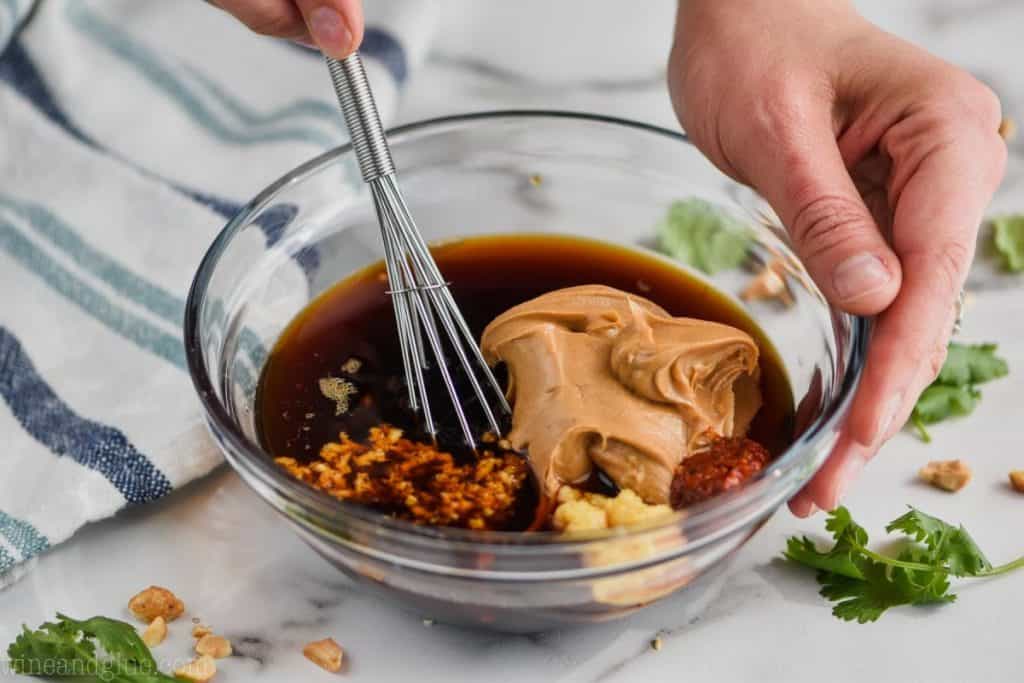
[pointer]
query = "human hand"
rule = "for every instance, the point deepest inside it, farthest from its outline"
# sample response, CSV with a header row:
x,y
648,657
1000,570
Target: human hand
x,y
334,26
878,157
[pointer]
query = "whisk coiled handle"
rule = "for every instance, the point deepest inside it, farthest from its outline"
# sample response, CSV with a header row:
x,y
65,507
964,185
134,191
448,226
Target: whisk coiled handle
x,y
361,116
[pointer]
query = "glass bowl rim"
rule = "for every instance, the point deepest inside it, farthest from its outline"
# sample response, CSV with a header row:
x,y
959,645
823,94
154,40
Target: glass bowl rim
x,y
316,506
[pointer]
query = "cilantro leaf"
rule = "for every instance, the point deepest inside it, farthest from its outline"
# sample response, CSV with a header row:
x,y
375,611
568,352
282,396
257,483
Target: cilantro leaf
x,y
867,599
971,364
38,652
952,546
1008,239
699,234
97,649
841,563
954,392
864,584
842,558
940,401
844,530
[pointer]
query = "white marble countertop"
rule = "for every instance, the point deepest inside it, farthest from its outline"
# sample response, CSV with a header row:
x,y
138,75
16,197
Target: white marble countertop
x,y
241,571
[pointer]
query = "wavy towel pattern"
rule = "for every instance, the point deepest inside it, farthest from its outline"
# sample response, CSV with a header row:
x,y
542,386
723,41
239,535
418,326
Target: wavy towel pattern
x,y
61,247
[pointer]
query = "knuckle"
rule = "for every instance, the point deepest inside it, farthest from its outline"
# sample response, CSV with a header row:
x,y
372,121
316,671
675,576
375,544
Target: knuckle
x,y
825,223
777,116
276,24
936,358
950,263
963,100
988,106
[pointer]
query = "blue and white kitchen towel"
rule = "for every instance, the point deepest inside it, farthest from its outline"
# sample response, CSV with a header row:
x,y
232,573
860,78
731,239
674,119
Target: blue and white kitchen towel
x,y
130,131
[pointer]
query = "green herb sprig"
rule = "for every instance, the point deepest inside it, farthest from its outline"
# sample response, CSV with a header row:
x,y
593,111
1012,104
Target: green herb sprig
x,y
954,392
95,650
1008,240
864,584
697,233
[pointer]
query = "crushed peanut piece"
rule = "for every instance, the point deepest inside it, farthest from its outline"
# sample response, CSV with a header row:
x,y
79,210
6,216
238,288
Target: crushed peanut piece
x,y
156,602
338,390
1008,129
536,179
155,632
1017,480
217,647
428,622
352,365
416,481
199,630
948,475
770,283
325,653
200,670
578,511
656,644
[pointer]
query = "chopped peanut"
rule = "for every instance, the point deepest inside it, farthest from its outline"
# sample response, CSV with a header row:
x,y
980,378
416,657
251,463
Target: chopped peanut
x,y
325,653
1017,480
949,475
155,632
770,283
1007,129
656,644
199,630
215,646
156,602
200,670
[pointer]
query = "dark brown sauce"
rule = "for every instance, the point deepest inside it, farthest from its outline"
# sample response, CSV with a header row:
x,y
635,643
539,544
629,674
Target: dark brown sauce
x,y
488,275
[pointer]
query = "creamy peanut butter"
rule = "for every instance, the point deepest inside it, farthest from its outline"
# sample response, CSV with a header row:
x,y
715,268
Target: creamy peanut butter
x,y
600,377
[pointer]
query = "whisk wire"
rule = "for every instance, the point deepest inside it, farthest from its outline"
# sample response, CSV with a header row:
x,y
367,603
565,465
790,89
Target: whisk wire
x,y
433,284
420,251
423,305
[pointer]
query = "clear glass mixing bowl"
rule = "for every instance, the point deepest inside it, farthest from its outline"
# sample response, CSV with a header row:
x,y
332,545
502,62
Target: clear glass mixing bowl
x,y
486,173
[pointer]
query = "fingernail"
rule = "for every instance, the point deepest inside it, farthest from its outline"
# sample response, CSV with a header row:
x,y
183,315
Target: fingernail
x,y
847,473
892,409
859,275
329,30
801,506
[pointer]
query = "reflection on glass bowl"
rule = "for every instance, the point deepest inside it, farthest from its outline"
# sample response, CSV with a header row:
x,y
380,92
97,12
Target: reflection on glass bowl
x,y
505,172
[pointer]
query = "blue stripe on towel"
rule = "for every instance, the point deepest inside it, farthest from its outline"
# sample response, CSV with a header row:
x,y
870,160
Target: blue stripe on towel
x,y
22,536
52,423
148,295
163,78
385,48
135,329
6,561
304,108
18,69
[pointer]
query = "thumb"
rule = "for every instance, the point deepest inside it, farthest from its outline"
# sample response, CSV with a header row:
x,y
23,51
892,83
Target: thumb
x,y
803,177
336,26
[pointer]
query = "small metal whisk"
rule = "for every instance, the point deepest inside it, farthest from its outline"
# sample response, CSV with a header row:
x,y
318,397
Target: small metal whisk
x,y
423,305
